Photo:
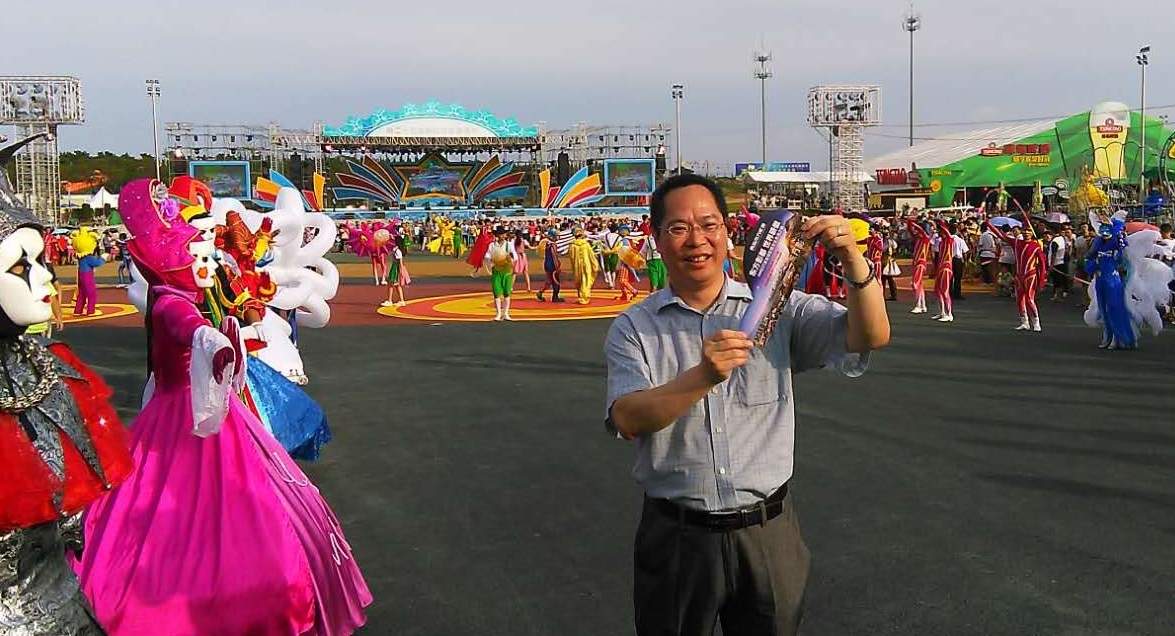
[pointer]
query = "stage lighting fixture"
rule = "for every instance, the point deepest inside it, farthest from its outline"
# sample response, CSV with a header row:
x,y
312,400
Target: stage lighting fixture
x,y
213,137
248,137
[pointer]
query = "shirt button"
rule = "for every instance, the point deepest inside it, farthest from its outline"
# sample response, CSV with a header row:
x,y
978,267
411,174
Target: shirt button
x,y
718,429
722,471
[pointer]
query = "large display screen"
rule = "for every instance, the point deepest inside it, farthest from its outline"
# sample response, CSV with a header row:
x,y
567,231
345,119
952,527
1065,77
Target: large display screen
x,y
224,178
629,177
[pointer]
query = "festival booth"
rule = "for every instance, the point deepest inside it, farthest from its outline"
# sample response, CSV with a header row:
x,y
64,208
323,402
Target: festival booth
x,y
1039,163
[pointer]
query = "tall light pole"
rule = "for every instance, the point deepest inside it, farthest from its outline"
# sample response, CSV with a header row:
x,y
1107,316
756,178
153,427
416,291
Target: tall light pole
x,y
153,93
912,23
1143,59
678,95
762,74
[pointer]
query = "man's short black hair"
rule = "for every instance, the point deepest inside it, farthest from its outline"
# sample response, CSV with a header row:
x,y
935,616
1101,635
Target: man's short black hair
x,y
657,202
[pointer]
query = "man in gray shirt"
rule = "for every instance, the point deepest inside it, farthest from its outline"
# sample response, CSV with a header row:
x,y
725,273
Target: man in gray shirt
x,y
713,419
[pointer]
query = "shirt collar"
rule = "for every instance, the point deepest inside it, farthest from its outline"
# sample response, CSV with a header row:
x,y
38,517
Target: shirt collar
x,y
730,289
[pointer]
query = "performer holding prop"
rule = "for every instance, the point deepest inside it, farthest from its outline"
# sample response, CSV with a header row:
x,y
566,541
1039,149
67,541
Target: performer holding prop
x,y
217,531
1031,268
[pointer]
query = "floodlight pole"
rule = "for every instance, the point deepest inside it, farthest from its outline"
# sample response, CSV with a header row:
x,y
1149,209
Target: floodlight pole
x,y
762,74
1143,59
153,93
912,23
678,95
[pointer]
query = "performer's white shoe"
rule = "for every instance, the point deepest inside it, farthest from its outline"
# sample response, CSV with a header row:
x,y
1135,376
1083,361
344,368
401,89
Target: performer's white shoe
x,y
498,317
936,316
947,318
506,316
1036,324
1024,326
918,310
388,303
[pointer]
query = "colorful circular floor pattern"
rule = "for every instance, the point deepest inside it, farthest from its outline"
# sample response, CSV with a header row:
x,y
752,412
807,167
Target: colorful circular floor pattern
x,y
101,312
479,307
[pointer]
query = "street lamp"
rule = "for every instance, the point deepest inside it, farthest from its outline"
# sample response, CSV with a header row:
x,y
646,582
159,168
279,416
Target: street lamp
x,y
1143,59
912,23
762,74
153,93
678,95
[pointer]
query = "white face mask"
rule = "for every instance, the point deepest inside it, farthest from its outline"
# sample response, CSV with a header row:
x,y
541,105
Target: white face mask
x,y
204,267
26,286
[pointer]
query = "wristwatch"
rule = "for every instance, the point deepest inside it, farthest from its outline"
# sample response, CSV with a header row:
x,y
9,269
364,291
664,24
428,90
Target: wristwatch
x,y
863,284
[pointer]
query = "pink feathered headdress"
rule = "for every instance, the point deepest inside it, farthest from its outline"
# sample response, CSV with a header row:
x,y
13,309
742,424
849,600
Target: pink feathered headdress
x,y
159,245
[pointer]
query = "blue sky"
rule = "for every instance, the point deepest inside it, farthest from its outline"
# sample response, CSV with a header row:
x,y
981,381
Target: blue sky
x,y
604,62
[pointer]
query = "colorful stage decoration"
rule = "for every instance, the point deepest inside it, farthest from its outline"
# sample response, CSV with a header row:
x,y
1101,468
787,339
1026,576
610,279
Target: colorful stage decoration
x,y
433,178
580,189
495,180
368,180
414,120
266,190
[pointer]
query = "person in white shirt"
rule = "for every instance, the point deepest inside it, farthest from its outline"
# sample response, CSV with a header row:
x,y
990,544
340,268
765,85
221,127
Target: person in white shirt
x,y
988,255
1058,250
960,250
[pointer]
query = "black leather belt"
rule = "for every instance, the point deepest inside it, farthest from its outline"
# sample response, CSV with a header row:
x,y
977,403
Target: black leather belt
x,y
756,514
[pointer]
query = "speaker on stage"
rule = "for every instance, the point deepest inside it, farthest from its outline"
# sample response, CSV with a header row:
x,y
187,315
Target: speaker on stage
x,y
294,169
562,168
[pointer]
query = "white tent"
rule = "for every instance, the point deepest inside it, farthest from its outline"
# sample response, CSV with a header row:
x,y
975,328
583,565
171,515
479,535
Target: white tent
x,y
102,198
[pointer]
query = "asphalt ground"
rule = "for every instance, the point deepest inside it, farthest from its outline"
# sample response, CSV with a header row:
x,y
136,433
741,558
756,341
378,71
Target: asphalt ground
x,y
976,481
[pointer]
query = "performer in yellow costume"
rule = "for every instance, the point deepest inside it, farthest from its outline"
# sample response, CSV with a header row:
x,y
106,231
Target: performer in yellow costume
x,y
583,266
444,227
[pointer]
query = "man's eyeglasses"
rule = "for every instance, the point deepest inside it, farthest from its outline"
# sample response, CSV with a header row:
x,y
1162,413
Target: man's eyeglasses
x,y
681,230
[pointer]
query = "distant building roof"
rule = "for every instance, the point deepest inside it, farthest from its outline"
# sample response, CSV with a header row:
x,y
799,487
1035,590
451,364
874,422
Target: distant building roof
x,y
797,177
952,147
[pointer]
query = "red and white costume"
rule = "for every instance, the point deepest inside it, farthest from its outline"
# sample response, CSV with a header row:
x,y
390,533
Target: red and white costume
x,y
1031,268
944,272
921,256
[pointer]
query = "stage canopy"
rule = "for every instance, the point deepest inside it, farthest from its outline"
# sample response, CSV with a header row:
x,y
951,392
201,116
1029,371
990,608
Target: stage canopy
x,y
431,126
1102,142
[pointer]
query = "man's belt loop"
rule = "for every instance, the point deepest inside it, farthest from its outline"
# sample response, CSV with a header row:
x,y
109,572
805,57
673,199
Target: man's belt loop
x,y
762,514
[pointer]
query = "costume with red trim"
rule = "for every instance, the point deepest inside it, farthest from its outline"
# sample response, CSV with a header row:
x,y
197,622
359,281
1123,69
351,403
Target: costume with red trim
x,y
61,442
1031,268
921,254
944,271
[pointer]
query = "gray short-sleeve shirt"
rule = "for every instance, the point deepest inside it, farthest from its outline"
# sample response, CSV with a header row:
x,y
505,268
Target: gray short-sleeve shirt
x,y
735,446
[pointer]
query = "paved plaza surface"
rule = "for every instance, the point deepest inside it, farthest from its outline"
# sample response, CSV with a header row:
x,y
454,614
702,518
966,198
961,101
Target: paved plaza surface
x,y
976,481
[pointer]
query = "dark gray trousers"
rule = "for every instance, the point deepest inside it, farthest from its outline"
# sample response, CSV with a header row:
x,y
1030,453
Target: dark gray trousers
x,y
688,578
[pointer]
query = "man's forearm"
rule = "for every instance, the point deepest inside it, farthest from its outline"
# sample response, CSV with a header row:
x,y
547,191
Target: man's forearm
x,y
868,321
651,410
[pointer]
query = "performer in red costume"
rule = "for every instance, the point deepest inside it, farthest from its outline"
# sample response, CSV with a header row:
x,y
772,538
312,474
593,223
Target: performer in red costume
x,y
1031,268
477,253
817,277
61,442
921,255
943,271
875,250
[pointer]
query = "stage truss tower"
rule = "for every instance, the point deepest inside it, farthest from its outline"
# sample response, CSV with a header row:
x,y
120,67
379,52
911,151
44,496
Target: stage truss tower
x,y
845,111
39,104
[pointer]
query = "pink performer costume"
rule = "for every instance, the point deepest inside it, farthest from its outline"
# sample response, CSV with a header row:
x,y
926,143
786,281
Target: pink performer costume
x,y
217,531
921,255
944,271
1031,268
375,240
